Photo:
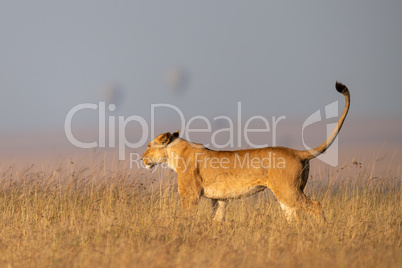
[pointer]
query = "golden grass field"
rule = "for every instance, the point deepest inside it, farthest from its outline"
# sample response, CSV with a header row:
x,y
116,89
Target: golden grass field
x,y
72,216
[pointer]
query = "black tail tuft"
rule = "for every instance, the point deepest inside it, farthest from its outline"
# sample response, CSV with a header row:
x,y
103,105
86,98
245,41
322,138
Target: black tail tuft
x,y
341,88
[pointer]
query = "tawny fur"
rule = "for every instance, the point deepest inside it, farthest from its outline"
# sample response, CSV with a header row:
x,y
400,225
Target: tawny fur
x,y
225,175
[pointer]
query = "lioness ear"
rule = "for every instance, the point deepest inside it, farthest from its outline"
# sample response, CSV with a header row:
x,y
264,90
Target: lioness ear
x,y
176,134
166,138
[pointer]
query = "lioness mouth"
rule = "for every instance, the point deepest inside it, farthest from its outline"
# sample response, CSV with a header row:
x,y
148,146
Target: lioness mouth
x,y
149,166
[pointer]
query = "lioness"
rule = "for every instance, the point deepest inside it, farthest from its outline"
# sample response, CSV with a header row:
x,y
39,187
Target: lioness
x,y
224,175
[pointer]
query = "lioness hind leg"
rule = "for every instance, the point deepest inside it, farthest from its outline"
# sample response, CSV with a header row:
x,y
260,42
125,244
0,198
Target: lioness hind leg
x,y
314,208
297,201
291,213
219,209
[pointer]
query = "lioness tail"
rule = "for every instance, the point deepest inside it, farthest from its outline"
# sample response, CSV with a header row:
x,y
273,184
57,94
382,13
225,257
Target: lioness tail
x,y
309,154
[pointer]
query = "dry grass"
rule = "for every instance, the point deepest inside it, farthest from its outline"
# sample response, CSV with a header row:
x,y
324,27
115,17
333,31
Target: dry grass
x,y
70,217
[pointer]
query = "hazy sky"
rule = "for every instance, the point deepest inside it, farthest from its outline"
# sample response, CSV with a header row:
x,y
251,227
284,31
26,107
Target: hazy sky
x,y
277,58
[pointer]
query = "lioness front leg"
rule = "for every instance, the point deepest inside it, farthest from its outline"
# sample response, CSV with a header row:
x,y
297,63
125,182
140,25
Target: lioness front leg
x,y
219,208
190,193
189,205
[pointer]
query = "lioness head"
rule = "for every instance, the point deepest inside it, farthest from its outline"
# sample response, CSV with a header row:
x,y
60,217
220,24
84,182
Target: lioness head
x,y
156,152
